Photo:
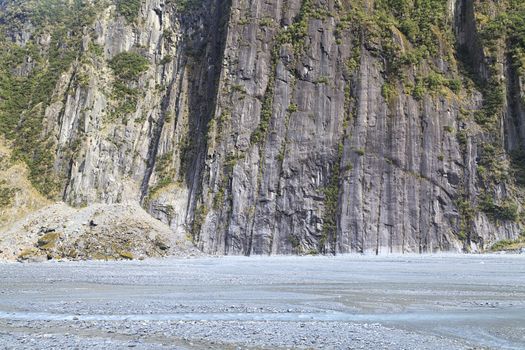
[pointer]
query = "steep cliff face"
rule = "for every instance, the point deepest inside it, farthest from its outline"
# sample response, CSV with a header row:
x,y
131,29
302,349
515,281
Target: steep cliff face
x,y
351,127
276,127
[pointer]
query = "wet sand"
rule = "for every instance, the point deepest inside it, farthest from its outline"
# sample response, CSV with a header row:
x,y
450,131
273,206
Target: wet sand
x,y
346,302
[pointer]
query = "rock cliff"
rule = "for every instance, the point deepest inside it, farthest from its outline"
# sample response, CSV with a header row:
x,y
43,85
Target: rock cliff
x,y
276,126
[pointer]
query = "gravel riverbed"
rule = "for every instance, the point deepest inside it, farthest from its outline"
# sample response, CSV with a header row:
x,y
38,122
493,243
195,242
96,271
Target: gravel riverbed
x,y
344,302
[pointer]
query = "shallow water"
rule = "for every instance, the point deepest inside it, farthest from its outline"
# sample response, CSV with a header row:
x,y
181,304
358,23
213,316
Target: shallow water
x,y
475,301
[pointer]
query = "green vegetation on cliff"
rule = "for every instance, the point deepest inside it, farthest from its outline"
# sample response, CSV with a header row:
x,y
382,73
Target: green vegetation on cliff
x,y
509,25
127,68
502,36
415,42
30,73
314,100
129,9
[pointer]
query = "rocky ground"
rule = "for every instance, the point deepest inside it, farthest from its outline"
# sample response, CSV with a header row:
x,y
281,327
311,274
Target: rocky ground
x,y
100,231
358,302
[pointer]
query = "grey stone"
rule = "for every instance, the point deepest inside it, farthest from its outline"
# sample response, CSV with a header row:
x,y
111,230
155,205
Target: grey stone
x,y
188,155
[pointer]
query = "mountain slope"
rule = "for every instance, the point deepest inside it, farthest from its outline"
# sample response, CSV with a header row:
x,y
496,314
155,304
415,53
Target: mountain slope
x,y
276,127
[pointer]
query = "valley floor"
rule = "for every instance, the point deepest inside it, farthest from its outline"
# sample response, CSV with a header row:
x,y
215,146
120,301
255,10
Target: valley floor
x,y
347,302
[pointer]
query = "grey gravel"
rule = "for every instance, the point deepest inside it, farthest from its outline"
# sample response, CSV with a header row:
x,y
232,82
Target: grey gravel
x,y
347,302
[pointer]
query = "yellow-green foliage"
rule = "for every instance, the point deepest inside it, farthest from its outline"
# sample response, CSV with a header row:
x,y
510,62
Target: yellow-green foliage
x,y
331,193
506,211
165,173
127,68
24,97
185,5
48,241
129,9
507,244
509,24
28,253
7,193
198,221
126,255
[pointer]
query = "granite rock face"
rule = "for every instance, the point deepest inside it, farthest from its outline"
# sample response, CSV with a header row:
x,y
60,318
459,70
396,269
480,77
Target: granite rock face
x,y
288,127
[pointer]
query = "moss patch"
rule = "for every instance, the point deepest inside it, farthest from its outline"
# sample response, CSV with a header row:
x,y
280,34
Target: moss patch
x,y
126,255
127,68
129,9
48,241
509,245
27,254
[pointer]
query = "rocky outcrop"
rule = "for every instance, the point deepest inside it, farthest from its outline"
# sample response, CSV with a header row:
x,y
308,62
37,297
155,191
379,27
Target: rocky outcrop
x,y
288,127
100,231
341,167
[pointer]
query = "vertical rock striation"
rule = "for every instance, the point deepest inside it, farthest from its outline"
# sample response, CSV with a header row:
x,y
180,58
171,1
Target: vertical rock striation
x,y
288,126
